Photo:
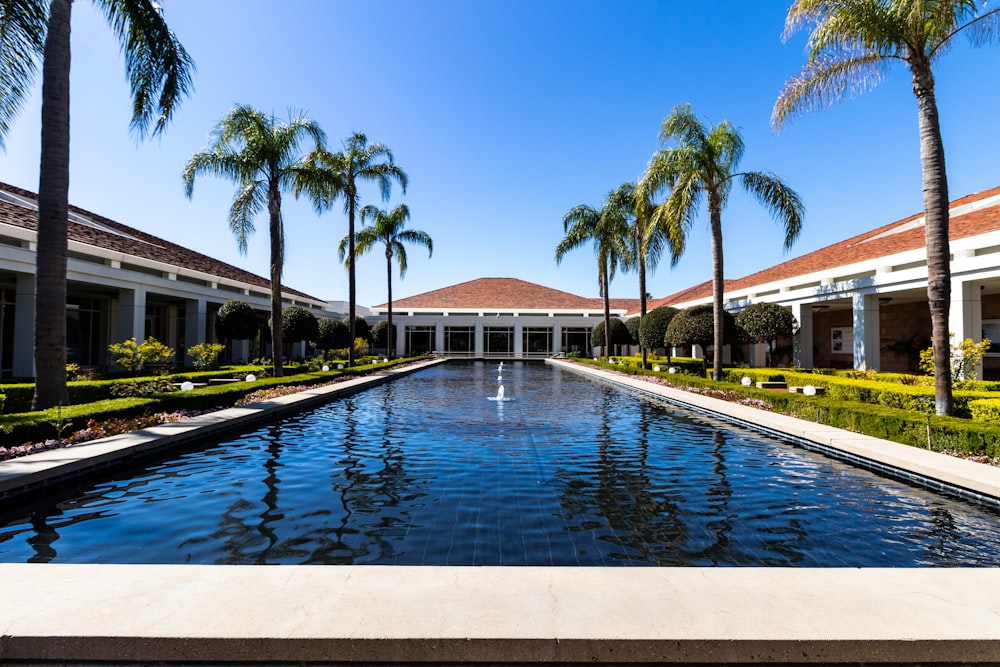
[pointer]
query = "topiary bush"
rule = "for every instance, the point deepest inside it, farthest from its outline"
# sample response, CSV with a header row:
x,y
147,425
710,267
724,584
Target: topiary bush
x,y
765,323
619,333
297,324
653,327
332,334
236,320
696,326
379,331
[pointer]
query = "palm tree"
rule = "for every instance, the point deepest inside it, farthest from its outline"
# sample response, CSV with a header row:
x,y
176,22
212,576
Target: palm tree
x,y
608,230
261,155
387,229
703,166
338,175
852,45
159,73
650,239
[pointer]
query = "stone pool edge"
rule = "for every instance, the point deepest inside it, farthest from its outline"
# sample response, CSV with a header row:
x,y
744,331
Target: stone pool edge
x,y
195,614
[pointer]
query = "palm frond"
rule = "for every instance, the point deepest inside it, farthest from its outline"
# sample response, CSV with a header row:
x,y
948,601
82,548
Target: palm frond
x,y
159,70
827,80
249,201
783,203
22,40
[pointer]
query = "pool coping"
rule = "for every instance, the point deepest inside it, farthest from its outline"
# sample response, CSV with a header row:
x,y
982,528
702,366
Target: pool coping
x,y
198,614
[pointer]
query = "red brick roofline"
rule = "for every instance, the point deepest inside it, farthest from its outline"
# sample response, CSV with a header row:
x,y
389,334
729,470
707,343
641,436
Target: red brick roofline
x,y
892,239
503,294
133,242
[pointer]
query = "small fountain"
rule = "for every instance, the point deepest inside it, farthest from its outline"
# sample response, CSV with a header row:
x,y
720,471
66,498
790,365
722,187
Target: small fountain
x,y
499,398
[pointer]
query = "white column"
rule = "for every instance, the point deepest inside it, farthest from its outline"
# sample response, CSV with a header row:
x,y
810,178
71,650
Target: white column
x,y
965,316
132,313
24,326
479,344
803,341
438,337
866,332
518,334
400,326
195,318
557,339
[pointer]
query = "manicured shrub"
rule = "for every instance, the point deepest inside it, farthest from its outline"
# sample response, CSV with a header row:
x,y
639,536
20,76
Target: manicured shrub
x,y
379,331
332,334
766,322
696,326
619,333
985,410
632,324
653,327
297,324
236,320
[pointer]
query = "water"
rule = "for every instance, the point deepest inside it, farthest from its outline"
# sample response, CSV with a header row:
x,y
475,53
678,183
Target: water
x,y
428,470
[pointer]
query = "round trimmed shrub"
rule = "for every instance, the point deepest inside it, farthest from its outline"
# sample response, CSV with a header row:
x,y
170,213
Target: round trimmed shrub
x,y
236,320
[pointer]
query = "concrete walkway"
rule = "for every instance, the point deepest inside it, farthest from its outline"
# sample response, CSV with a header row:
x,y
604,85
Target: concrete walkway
x,y
192,614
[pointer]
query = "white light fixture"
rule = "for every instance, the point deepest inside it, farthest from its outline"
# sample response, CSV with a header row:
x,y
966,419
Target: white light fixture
x,y
656,369
809,390
325,368
671,370
251,378
187,386
746,381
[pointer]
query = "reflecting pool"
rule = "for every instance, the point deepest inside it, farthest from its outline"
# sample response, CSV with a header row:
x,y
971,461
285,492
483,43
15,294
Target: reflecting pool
x,y
427,470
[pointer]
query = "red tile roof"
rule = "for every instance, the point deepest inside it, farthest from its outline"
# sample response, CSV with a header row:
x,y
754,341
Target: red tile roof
x,y
504,294
130,241
892,239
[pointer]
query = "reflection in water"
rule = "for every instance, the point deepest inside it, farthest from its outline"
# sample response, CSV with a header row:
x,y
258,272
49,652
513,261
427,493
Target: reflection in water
x,y
426,470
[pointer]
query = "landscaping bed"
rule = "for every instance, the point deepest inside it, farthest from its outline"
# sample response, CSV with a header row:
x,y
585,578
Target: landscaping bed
x,y
861,401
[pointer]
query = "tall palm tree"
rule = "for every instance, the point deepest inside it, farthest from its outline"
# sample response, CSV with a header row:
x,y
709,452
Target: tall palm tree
x,y
338,175
608,231
387,229
159,74
852,45
262,156
701,166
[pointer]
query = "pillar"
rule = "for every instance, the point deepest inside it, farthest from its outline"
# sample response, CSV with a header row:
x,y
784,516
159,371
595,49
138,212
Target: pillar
x,y
24,326
802,341
131,314
866,331
965,315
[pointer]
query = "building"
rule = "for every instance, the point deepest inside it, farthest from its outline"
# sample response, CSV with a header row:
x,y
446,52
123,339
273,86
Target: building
x,y
498,318
860,303
121,283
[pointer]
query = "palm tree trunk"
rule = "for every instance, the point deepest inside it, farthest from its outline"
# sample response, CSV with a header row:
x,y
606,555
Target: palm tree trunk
x,y
277,262
53,205
642,298
935,187
388,336
718,282
607,308
351,289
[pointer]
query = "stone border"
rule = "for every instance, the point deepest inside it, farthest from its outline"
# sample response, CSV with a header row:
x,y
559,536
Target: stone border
x,y
197,614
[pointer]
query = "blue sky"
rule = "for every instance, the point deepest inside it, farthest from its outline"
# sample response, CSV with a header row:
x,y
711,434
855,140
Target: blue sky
x,y
506,114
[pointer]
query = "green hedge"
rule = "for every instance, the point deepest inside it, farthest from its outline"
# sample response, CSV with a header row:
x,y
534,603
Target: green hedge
x,y
879,420
985,410
19,428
